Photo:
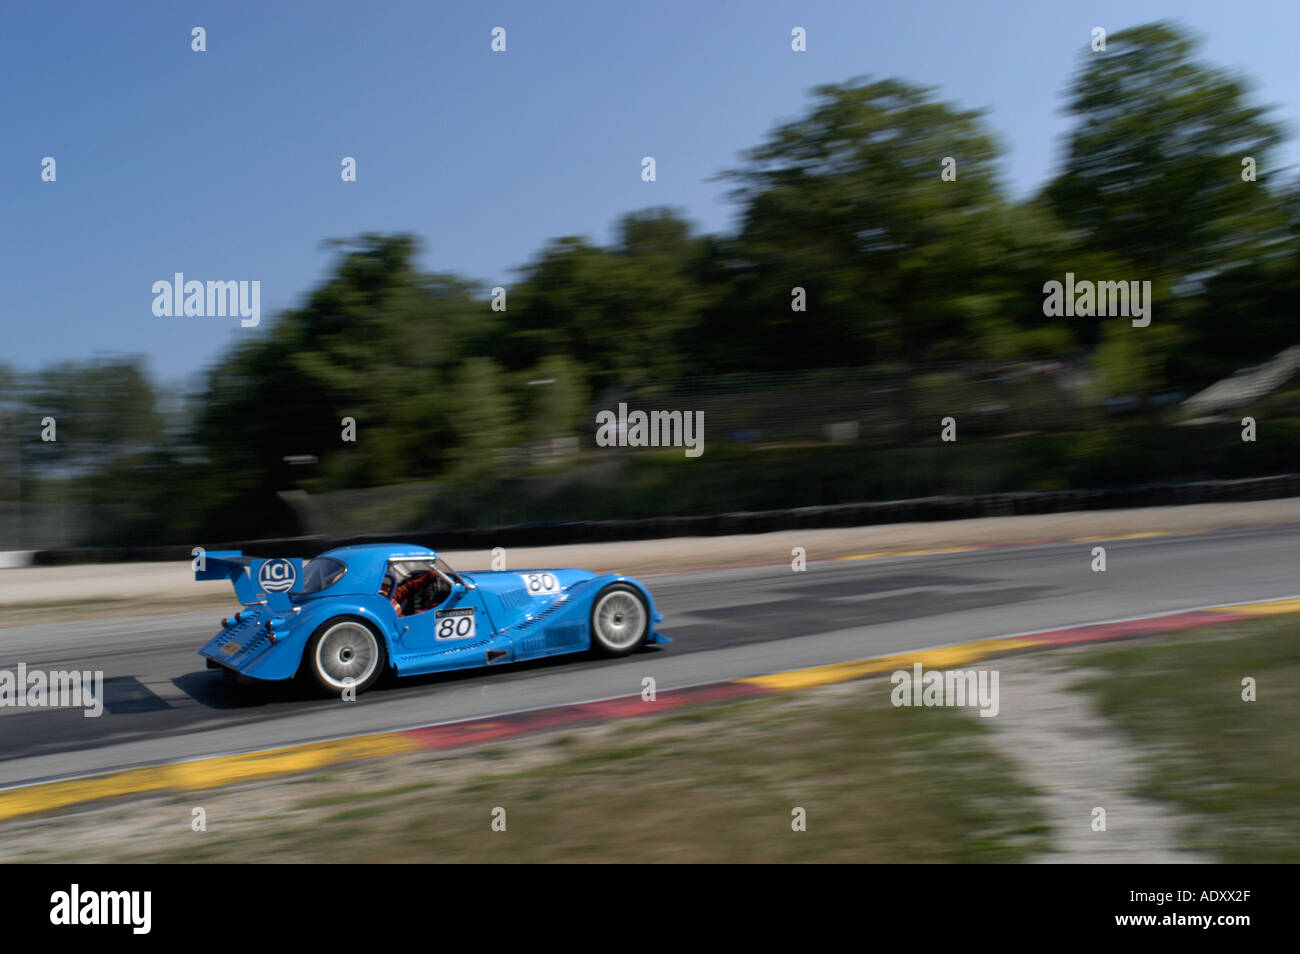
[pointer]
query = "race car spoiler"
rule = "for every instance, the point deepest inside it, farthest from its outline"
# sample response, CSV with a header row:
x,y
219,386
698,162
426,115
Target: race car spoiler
x,y
254,579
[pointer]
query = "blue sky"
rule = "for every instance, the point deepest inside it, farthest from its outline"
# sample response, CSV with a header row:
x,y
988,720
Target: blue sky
x,y
225,164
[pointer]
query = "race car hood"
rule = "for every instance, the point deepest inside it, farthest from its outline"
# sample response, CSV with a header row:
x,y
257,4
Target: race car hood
x,y
516,591
504,581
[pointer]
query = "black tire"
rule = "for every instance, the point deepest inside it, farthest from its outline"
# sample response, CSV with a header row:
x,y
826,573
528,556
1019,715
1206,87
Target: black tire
x,y
620,620
345,647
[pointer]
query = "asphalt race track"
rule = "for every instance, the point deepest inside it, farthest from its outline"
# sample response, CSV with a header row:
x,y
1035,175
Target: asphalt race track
x,y
162,704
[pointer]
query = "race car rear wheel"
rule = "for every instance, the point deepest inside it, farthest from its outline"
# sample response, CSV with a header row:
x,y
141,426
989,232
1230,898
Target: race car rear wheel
x,y
345,651
620,620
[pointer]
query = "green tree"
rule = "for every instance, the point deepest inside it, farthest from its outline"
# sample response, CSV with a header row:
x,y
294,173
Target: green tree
x,y
620,312
849,204
1153,172
554,398
378,342
482,417
1130,361
103,410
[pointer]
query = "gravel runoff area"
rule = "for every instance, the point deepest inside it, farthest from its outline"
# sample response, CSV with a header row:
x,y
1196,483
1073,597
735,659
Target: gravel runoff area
x,y
171,585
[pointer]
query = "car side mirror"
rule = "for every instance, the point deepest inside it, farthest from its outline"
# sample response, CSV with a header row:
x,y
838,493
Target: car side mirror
x,y
459,589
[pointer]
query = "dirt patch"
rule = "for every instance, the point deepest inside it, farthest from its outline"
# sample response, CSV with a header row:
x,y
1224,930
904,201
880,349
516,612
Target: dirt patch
x,y
1080,763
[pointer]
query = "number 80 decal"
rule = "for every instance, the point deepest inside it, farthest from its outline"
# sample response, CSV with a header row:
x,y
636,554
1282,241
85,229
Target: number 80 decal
x,y
455,623
540,584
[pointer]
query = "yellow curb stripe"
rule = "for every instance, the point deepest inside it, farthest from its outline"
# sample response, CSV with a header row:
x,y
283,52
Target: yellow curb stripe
x,y
943,658
949,656
200,773
903,553
1142,535
1266,608
1147,534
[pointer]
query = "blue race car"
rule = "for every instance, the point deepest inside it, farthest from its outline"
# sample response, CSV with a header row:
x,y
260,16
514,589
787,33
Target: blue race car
x,y
351,614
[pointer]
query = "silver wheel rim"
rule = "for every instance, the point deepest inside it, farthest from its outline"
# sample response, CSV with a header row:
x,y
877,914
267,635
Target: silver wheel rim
x,y
347,651
619,619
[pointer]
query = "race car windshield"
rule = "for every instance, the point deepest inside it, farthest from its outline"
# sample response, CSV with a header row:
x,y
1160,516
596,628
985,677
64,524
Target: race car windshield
x,y
322,573
441,564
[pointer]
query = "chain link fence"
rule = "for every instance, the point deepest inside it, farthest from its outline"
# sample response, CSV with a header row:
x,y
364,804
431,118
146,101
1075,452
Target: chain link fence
x,y
889,406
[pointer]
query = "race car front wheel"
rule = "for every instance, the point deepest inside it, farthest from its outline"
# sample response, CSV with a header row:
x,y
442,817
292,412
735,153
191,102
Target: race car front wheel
x,y
345,652
620,620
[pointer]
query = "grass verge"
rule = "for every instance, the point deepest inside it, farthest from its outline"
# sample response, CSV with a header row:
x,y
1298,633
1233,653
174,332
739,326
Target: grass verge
x,y
1231,766
715,783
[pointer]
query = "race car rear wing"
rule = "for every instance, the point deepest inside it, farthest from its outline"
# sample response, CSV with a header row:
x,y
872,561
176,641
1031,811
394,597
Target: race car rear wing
x,y
254,578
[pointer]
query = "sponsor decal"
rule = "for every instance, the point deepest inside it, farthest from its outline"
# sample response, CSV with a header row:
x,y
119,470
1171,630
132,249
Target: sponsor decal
x,y
277,576
540,584
455,623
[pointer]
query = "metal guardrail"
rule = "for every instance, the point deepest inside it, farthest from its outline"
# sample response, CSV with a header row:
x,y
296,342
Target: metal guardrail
x,y
765,521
